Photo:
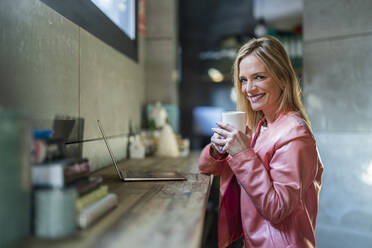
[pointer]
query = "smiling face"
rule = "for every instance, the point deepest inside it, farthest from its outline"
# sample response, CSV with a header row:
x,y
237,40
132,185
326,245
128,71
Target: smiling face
x,y
259,87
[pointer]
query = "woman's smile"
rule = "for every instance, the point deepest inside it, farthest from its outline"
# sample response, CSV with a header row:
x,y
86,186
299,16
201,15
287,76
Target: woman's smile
x,y
259,87
256,98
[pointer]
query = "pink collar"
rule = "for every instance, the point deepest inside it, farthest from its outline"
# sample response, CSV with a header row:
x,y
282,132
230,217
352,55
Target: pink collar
x,y
253,142
260,123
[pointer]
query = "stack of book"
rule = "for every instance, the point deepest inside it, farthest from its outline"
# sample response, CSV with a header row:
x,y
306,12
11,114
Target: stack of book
x,y
66,196
93,202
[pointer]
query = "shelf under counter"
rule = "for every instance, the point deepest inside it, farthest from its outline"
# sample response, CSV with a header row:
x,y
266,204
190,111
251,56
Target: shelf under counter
x,y
149,214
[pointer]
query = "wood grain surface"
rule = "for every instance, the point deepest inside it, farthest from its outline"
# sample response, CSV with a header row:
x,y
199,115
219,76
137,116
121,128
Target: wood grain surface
x,y
149,214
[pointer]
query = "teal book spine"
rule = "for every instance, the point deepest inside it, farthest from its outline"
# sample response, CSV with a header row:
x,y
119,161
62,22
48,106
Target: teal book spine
x,y
55,212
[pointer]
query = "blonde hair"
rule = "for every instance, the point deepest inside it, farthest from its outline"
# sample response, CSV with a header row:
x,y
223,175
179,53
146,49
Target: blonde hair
x,y
272,54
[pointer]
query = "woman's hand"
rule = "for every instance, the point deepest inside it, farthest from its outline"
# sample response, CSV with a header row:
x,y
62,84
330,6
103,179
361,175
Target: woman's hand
x,y
216,150
232,140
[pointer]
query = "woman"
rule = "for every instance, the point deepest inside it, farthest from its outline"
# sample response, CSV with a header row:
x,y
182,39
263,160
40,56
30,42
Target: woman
x,y
269,181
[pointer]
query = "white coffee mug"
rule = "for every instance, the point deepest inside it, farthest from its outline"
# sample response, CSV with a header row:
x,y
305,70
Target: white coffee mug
x,y
237,119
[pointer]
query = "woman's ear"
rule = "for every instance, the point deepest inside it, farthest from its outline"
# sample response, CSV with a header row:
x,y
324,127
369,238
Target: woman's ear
x,y
281,85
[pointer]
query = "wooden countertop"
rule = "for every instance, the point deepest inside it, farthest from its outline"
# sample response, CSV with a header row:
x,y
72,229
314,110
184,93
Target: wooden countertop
x,y
149,214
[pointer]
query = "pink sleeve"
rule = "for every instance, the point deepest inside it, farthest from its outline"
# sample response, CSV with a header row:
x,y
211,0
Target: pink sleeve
x,y
210,165
276,192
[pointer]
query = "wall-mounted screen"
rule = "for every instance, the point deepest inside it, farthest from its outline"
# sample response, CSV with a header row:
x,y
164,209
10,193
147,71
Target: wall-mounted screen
x,y
112,21
121,12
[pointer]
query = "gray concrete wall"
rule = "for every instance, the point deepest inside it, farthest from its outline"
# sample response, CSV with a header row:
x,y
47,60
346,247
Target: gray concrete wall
x,y
337,88
161,51
50,66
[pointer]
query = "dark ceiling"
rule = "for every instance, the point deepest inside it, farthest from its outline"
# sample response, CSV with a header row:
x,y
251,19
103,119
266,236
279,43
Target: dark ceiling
x,y
210,21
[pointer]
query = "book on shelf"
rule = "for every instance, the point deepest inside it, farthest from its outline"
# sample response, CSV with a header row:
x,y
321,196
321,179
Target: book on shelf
x,y
88,199
59,173
86,184
46,150
93,212
76,170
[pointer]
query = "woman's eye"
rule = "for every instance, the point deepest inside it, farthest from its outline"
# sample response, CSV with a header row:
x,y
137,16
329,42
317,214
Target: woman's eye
x,y
242,80
260,77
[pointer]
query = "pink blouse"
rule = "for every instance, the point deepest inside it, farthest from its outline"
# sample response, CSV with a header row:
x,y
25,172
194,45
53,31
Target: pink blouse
x,y
280,177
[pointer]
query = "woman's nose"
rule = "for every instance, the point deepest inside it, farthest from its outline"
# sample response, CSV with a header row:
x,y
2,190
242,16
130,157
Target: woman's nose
x,y
249,86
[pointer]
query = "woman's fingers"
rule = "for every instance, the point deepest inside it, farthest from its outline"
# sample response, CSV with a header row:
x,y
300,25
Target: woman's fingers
x,y
216,147
228,139
225,126
222,136
218,141
220,132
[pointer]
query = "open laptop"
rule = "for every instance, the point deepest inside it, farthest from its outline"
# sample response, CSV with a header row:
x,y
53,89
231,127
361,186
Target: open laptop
x,y
136,176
